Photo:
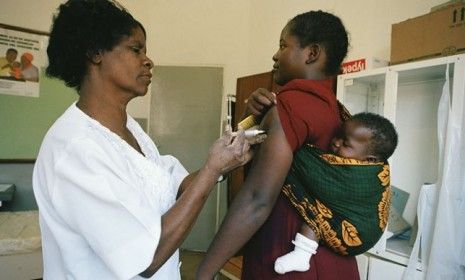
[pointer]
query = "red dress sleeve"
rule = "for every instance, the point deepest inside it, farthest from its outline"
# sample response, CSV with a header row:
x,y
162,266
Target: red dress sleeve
x,y
306,118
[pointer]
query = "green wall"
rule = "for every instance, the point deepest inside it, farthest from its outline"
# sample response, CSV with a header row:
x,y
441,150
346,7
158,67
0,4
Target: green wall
x,y
25,120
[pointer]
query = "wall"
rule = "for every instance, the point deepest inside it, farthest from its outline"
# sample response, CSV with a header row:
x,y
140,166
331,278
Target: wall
x,y
238,35
25,120
37,15
367,21
197,33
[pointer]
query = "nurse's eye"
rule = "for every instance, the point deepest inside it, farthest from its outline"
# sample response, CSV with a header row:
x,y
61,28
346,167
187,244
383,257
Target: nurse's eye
x,y
281,46
139,49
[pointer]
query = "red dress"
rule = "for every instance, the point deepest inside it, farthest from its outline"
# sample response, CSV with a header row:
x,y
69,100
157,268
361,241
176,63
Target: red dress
x,y
308,114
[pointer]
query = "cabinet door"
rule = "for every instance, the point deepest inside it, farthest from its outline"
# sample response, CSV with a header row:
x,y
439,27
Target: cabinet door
x,y
245,86
362,265
384,270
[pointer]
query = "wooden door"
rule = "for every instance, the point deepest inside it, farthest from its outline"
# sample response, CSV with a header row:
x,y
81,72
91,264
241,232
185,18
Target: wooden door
x,y
245,86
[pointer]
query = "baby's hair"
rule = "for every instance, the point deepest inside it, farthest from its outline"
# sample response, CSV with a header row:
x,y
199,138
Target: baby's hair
x,y
81,30
384,139
325,29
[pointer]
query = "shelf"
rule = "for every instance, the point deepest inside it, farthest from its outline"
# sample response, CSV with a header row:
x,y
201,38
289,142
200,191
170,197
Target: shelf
x,y
436,72
397,251
391,250
425,70
368,79
428,63
400,247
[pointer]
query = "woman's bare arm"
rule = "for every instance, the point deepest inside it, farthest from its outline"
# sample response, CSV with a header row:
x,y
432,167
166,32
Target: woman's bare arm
x,y
255,200
178,221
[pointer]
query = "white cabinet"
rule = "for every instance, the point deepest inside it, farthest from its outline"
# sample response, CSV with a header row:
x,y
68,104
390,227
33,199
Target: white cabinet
x,y
408,95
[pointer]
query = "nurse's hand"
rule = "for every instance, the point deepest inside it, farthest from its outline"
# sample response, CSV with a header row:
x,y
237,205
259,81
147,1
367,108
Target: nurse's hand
x,y
228,153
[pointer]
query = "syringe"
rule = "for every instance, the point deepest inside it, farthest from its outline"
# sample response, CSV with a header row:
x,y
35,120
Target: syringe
x,y
250,133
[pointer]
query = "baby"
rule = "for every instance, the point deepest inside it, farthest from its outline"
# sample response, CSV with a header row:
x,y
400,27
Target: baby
x,y
343,197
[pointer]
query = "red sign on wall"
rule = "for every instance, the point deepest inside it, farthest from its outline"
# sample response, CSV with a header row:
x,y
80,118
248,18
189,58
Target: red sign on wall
x,y
354,66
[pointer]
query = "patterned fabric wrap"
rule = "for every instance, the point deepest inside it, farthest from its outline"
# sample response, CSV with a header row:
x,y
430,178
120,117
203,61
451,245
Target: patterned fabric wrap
x,y
344,201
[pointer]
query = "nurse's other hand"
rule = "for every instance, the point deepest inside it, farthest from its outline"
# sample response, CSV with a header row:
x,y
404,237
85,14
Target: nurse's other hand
x,y
229,152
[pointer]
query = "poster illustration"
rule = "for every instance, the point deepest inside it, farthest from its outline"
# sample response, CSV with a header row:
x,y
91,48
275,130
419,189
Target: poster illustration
x,y
22,57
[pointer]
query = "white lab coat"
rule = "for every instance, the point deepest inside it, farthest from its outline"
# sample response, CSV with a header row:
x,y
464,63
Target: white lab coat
x,y
101,202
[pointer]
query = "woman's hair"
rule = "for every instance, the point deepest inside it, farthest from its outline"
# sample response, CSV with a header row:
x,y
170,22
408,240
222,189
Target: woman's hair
x,y
384,138
82,29
325,29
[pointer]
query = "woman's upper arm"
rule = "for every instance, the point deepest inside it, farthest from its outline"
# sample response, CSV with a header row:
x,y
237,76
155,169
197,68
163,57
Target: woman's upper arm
x,y
271,163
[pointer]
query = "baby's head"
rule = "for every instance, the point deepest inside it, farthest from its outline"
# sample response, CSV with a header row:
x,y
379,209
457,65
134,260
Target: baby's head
x,y
366,136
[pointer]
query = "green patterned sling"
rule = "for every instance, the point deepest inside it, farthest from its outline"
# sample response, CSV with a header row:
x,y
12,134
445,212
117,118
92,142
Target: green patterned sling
x,y
344,201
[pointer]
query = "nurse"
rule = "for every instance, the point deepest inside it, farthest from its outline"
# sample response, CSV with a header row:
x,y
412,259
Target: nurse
x,y
112,207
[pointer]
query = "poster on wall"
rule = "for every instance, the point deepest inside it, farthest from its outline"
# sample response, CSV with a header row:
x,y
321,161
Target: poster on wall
x,y
22,57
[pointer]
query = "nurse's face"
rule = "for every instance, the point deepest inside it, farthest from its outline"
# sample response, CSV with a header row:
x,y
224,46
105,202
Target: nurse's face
x,y
127,66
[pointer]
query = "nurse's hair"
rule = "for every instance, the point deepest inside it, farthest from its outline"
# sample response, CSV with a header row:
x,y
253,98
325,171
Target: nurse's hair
x,y
81,30
325,29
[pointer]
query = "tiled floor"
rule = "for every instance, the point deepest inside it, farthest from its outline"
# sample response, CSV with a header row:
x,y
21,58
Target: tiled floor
x,y
190,262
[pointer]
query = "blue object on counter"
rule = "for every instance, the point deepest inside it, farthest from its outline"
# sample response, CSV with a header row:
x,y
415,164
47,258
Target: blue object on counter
x,y
7,192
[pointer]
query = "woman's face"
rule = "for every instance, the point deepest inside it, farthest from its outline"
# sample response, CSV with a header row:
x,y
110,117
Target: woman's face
x,y
127,66
290,59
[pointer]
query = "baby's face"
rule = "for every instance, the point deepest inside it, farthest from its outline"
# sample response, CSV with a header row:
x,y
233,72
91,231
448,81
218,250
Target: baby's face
x,y
353,141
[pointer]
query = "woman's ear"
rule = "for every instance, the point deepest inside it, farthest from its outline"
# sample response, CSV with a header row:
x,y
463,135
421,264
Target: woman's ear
x,y
314,51
94,57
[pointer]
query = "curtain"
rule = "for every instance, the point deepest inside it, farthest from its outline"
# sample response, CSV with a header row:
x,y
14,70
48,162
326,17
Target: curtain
x,y
447,252
441,207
